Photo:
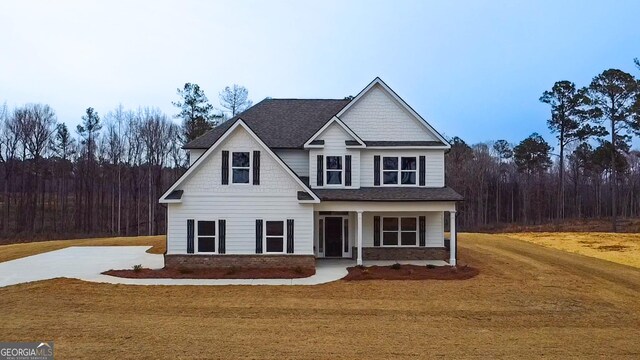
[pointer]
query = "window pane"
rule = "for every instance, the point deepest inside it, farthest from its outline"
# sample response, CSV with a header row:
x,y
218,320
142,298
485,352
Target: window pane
x,y
408,238
390,177
240,159
389,238
275,228
390,163
334,162
334,177
321,236
409,223
206,228
408,177
390,224
274,244
240,176
206,244
409,163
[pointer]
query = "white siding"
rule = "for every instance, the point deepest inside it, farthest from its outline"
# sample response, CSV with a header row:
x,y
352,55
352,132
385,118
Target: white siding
x,y
205,198
434,233
298,160
434,160
334,145
194,154
377,116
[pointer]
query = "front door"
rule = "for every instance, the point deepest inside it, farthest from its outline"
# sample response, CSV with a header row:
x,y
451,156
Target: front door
x,y
333,236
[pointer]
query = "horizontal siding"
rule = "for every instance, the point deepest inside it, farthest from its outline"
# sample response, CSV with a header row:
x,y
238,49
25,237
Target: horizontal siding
x,y
434,163
297,160
205,198
435,228
194,154
334,145
240,213
378,116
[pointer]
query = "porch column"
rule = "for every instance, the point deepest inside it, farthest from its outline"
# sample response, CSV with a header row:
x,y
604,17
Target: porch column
x,y
359,237
453,240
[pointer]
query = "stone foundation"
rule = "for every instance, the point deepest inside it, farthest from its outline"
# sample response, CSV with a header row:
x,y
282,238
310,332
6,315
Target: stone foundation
x,y
196,261
402,253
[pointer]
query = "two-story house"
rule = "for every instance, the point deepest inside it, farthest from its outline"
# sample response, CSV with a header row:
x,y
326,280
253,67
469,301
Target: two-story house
x,y
292,180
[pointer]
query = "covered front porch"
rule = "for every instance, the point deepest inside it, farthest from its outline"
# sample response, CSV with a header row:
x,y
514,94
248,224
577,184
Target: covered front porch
x,y
385,232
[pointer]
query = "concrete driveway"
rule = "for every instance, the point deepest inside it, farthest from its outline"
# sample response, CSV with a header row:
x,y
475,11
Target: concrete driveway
x,y
80,262
88,262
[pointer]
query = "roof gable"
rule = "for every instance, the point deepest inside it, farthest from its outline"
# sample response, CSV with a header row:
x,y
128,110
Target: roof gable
x,y
377,113
317,140
280,123
237,124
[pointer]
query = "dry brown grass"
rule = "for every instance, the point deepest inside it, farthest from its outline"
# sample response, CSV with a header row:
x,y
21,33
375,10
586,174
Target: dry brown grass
x,y
528,302
621,248
16,251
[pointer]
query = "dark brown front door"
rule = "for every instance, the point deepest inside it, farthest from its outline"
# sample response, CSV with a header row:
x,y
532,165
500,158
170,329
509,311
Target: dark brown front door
x,y
333,236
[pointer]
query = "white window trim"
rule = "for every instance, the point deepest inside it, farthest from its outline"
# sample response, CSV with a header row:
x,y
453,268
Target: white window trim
x,y
326,171
400,231
284,237
399,170
215,237
231,167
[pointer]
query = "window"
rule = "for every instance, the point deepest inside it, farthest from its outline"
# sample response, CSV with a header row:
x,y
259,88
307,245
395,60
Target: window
x,y
334,170
206,236
240,167
400,231
399,169
274,237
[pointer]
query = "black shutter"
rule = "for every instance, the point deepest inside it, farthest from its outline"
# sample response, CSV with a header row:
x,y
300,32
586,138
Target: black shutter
x,y
320,180
347,170
258,236
256,167
376,231
422,170
225,167
423,230
376,170
190,235
222,236
290,233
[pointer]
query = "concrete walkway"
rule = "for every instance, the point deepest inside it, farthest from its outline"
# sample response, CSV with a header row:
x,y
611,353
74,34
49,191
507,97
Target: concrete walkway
x,y
88,262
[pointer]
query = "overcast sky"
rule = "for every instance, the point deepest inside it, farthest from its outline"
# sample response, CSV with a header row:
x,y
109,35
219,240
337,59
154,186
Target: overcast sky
x,y
474,69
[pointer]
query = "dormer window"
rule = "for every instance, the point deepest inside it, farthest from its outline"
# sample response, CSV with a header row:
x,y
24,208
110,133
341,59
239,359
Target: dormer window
x,y
334,170
399,170
240,167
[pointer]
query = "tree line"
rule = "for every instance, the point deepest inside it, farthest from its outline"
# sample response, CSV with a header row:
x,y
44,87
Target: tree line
x,y
594,174
105,177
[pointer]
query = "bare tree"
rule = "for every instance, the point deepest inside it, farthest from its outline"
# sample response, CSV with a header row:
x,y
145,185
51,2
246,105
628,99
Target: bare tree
x,y
235,99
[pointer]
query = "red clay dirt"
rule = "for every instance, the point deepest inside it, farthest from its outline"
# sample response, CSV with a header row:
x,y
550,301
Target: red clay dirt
x,y
231,273
411,272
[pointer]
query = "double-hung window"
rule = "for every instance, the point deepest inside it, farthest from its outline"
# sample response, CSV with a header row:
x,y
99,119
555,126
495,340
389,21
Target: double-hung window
x,y
399,231
274,237
334,170
206,236
240,167
399,170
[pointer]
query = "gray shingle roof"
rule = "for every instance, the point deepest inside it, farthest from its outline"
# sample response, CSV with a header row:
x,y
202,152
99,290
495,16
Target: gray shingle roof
x,y
175,195
404,143
389,194
280,123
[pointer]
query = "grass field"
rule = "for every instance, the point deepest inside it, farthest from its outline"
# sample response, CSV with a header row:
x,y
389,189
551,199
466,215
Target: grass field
x,y
529,301
15,251
620,248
